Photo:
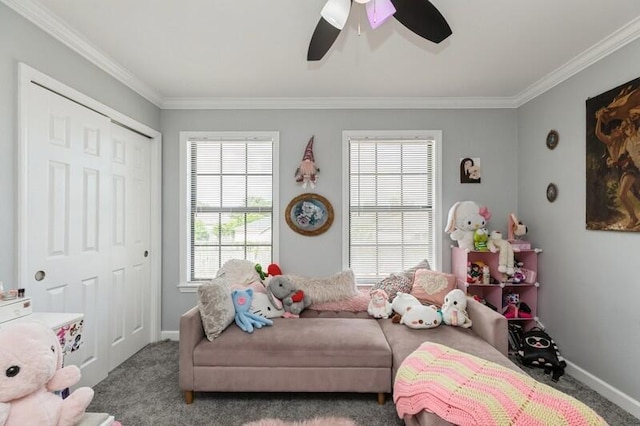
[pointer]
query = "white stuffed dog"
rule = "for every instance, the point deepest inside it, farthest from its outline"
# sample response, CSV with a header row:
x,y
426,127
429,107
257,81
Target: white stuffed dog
x,y
379,306
465,217
505,259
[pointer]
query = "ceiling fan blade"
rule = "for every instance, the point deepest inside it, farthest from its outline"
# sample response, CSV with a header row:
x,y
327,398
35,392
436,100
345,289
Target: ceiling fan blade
x,y
322,40
422,17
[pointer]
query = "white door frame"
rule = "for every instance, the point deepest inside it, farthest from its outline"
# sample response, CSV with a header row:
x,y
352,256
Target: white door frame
x,y
27,76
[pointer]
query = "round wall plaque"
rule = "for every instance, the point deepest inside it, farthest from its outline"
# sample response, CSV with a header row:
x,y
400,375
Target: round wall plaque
x,y
552,192
552,139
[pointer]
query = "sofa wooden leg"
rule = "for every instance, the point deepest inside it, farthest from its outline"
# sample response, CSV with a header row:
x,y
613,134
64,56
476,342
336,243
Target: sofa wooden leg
x,y
188,397
381,397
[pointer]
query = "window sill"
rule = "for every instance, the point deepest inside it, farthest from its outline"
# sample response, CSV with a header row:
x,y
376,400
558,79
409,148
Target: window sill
x,y
189,287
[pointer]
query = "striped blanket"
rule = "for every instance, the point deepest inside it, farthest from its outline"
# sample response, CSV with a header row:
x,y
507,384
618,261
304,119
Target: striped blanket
x,y
467,390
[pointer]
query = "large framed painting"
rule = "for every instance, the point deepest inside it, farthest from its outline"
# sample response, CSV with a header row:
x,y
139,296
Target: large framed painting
x,y
613,159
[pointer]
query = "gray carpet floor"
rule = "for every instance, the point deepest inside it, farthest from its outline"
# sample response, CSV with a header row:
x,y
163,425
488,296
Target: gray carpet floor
x,y
144,391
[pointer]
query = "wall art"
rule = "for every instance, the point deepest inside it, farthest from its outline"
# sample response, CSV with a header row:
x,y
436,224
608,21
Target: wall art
x,y
613,158
309,214
470,171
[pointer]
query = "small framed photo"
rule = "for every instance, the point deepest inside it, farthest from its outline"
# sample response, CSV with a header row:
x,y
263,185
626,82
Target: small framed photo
x,y
470,171
309,214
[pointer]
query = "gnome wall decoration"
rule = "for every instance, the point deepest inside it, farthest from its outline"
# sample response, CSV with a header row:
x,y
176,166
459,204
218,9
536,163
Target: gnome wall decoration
x,y
307,172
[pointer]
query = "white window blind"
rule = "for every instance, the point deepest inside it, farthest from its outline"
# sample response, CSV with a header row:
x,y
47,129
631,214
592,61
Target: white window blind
x,y
391,205
231,200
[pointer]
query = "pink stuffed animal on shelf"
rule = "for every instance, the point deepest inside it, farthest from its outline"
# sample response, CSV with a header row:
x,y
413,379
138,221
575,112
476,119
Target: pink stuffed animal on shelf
x,y
31,360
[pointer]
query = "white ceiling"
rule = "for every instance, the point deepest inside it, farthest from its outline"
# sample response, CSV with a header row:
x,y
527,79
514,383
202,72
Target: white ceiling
x,y
180,53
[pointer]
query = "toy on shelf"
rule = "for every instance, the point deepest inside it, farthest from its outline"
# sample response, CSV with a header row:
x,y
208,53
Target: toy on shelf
x,y
480,239
514,308
506,259
475,272
516,230
484,302
465,217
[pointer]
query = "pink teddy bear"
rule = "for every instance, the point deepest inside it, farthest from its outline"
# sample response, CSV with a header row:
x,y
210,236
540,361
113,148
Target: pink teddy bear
x,y
31,362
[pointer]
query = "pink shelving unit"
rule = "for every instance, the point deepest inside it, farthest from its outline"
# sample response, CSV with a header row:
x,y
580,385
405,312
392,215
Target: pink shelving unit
x,y
495,294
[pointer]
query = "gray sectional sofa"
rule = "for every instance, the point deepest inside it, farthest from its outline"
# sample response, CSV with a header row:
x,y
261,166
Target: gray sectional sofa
x,y
325,352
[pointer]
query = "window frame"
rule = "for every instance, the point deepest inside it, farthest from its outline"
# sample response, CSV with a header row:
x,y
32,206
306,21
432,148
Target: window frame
x,y
436,136
185,194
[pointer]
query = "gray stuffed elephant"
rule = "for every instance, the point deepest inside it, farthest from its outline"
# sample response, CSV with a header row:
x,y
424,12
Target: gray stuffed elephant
x,y
283,295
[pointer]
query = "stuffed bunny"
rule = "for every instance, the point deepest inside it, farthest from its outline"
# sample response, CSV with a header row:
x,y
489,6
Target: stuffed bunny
x,y
31,362
283,294
465,217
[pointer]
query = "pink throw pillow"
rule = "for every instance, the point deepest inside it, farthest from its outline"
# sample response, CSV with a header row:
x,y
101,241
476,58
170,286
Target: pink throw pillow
x,y
430,287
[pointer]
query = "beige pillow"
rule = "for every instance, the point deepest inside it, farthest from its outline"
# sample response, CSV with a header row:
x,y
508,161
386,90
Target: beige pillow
x,y
239,273
330,289
216,307
409,273
431,287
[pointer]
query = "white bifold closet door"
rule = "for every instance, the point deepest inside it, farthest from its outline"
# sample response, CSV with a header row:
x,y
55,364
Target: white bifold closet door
x,y
87,227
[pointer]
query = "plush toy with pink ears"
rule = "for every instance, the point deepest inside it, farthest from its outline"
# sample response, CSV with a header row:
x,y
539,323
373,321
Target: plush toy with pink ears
x,y
31,366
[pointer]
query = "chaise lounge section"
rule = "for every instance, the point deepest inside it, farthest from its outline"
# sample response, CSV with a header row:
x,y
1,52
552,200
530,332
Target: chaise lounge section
x,y
325,351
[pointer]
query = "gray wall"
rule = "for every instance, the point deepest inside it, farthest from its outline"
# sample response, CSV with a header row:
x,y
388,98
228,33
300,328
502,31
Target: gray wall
x,y
589,279
488,134
586,276
21,41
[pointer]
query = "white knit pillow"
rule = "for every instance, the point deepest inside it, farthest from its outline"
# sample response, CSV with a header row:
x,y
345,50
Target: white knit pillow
x,y
330,289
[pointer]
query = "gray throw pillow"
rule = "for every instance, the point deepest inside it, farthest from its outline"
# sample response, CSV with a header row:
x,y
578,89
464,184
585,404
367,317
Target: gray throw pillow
x,y
411,272
216,307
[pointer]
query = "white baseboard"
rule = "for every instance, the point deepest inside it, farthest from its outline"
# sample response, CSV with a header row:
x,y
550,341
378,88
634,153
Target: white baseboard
x,y
171,335
614,395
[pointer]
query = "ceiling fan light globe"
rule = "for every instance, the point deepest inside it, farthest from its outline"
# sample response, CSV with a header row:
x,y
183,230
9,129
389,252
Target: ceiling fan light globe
x,y
362,1
336,12
379,11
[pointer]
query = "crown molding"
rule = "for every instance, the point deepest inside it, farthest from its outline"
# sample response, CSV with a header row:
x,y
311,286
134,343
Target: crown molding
x,y
48,22
613,42
43,18
338,103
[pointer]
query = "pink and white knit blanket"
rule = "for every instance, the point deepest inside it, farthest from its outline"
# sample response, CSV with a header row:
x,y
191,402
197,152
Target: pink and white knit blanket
x,y
466,390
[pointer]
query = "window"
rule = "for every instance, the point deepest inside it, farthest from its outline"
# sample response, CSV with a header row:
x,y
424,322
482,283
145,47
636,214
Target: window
x,y
230,200
391,202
